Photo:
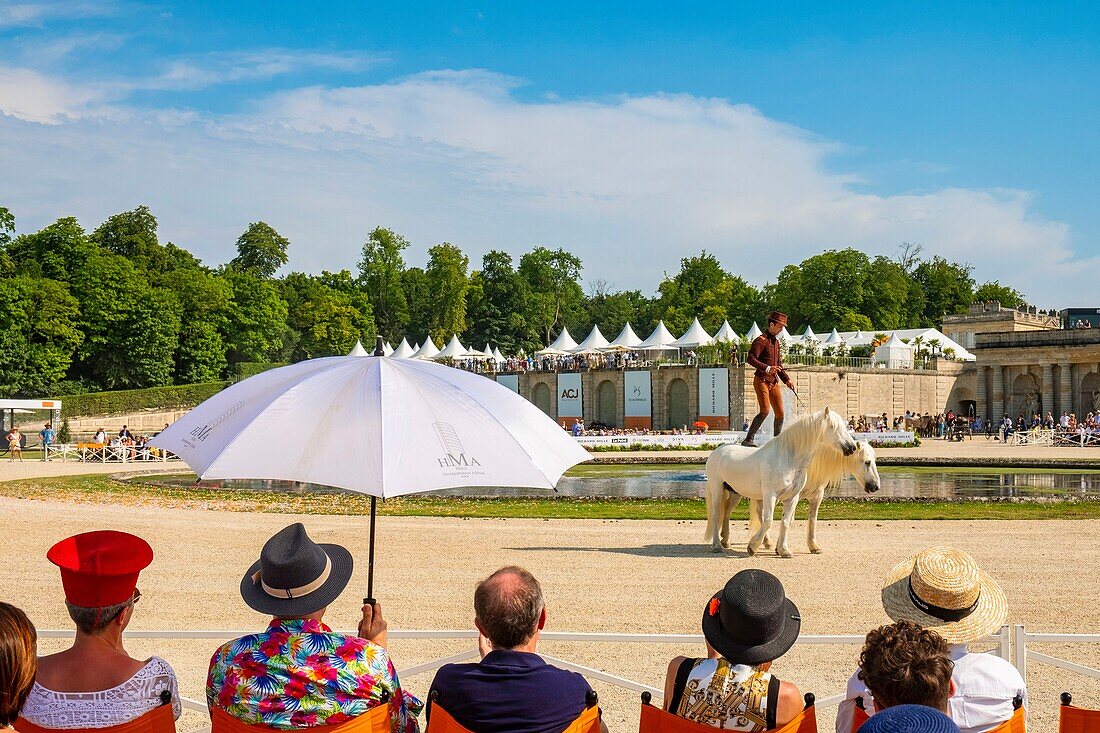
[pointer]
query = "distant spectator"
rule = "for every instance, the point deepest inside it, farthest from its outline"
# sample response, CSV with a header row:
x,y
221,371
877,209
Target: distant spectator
x,y
18,662
46,434
747,625
512,690
95,683
15,444
100,437
125,434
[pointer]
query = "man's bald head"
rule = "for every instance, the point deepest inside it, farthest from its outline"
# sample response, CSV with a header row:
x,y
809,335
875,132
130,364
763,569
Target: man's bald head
x,y
508,605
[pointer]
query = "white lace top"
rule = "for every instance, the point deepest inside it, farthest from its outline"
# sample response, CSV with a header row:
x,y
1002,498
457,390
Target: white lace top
x,y
120,704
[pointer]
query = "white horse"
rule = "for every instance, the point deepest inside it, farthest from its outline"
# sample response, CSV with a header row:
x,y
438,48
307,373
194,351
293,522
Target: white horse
x,y
777,472
827,469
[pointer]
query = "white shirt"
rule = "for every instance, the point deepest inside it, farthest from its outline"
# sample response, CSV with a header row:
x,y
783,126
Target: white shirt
x,y
984,687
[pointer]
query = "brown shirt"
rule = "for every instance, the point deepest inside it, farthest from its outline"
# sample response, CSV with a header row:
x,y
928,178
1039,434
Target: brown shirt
x,y
764,353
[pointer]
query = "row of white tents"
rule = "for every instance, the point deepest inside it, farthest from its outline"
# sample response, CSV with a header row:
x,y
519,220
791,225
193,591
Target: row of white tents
x,y
898,346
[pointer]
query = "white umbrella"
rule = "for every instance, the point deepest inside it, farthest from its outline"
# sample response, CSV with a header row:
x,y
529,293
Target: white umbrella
x,y
626,340
659,340
358,349
726,334
594,342
382,427
695,336
753,332
427,351
403,350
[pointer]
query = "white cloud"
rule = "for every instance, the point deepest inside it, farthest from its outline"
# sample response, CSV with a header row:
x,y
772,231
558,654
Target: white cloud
x,y
14,14
631,184
30,96
205,70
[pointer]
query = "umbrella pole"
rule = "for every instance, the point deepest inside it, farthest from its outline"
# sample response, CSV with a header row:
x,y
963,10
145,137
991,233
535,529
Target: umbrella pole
x,y
370,561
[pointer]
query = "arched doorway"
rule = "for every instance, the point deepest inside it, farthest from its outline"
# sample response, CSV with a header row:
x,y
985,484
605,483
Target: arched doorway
x,y
1090,393
605,404
1026,396
540,395
679,413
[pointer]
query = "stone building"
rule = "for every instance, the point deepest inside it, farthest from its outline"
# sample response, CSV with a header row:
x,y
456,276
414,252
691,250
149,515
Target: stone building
x,y
982,318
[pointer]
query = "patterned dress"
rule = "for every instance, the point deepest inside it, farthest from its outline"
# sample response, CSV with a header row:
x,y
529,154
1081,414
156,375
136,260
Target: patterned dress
x,y
726,696
300,674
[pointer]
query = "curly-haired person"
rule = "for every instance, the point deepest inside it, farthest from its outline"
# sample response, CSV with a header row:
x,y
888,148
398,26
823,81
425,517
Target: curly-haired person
x,y
905,664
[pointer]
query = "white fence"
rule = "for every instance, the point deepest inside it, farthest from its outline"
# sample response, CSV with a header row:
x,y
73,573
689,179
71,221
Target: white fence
x,y
665,441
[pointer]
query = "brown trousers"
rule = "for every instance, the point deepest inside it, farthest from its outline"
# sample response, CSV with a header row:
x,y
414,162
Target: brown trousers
x,y
769,397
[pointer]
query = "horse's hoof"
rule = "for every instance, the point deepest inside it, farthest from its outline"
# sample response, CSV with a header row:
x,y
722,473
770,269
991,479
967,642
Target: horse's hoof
x,y
767,544
751,550
726,545
816,550
784,553
716,549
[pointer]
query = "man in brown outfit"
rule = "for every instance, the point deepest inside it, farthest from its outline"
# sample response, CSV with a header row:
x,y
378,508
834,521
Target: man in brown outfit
x,y
764,355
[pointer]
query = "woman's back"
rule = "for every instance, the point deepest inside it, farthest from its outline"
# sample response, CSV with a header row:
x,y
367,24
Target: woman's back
x,y
722,695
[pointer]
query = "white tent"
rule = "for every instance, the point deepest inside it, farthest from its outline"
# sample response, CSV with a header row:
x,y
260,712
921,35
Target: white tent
x,y
895,353
358,349
833,339
626,340
726,334
416,347
659,340
427,351
785,336
386,348
403,350
498,356
563,344
809,335
453,350
594,342
694,337
926,335
753,332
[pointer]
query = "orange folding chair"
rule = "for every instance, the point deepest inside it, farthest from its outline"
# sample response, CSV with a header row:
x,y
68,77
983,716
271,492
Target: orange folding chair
x,y
1015,724
657,720
1076,720
158,720
588,721
375,720
859,715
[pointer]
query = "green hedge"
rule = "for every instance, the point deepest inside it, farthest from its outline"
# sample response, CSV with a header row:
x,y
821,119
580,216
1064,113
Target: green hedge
x,y
134,400
246,369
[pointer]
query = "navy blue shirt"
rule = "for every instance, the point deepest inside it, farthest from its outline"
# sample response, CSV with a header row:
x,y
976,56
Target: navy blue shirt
x,y
510,692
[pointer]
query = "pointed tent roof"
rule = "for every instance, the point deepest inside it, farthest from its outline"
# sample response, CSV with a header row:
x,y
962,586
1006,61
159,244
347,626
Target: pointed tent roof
x,y
427,351
726,334
358,349
659,340
403,350
498,356
594,342
626,339
809,335
416,347
785,336
696,335
386,348
753,332
453,350
564,343
895,342
833,339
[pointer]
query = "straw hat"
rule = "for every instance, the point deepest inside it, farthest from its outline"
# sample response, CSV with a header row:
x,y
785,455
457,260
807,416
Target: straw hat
x,y
943,589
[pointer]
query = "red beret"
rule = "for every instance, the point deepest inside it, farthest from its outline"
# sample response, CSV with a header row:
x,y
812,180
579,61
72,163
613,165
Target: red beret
x,y
100,568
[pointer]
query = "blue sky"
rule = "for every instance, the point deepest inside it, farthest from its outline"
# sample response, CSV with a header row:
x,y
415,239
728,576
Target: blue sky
x,y
633,134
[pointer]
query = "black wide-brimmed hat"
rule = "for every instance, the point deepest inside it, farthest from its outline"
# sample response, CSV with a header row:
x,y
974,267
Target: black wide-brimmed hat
x,y
295,576
751,620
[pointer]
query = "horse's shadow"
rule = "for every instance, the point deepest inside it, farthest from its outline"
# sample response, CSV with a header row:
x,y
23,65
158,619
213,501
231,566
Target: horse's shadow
x,y
663,551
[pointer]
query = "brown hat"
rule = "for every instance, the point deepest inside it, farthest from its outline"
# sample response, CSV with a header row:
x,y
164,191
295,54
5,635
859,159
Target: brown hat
x,y
780,318
944,590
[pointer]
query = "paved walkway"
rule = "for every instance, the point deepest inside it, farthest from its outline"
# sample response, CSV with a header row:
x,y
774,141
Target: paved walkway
x,y
19,470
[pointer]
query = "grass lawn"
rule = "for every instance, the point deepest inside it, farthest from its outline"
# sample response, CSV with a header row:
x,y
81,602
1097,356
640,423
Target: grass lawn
x,y
100,489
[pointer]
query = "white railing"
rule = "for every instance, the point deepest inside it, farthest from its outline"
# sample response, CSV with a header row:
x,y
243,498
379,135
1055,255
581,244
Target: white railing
x,y
1001,640
1021,654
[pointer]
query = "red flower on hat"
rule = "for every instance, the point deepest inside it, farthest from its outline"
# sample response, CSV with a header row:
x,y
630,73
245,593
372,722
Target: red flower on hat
x,y
712,607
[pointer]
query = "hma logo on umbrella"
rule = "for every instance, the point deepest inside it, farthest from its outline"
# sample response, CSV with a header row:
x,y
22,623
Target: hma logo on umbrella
x,y
452,446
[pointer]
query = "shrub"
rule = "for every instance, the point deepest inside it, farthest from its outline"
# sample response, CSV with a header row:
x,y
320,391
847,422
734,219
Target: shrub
x,y
64,435
134,400
246,369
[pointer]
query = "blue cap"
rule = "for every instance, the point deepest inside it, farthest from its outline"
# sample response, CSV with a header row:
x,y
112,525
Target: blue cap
x,y
909,719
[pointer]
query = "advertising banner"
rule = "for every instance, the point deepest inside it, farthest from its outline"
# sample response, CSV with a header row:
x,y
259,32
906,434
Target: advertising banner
x,y
569,395
511,381
714,393
639,399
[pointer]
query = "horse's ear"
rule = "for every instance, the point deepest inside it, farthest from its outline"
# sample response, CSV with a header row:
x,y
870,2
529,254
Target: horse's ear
x,y
826,410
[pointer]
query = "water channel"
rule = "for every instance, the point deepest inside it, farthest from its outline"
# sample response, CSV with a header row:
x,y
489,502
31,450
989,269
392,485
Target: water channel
x,y
686,481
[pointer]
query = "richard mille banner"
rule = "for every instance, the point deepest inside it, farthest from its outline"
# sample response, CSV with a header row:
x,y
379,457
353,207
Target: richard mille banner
x,y
714,397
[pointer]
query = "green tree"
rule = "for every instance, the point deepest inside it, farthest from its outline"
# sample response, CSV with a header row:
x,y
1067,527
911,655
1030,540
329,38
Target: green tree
x,y
826,289
56,252
948,289
555,295
447,282
256,321
497,305
260,250
38,335
7,226
205,301
420,303
133,234
380,272
993,291
889,291
327,314
613,310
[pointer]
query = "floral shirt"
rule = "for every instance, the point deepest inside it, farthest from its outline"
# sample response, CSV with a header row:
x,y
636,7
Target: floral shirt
x,y
300,674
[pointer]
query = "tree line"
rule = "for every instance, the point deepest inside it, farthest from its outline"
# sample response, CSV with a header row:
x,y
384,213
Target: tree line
x,y
118,309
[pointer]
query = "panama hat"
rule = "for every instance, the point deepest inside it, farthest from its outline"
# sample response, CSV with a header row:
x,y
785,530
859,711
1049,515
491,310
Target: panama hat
x,y
943,589
909,719
296,576
751,620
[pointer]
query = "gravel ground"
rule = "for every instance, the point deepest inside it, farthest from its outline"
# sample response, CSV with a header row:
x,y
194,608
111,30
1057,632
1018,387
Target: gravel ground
x,y
610,576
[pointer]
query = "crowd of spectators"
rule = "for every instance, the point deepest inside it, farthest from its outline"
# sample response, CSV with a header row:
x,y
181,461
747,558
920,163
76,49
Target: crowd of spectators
x,y
298,673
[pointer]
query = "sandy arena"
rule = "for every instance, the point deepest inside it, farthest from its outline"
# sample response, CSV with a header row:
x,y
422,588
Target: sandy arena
x,y
609,576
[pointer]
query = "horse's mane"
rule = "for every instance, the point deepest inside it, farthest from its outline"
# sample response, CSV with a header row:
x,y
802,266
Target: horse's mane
x,y
804,435
829,467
